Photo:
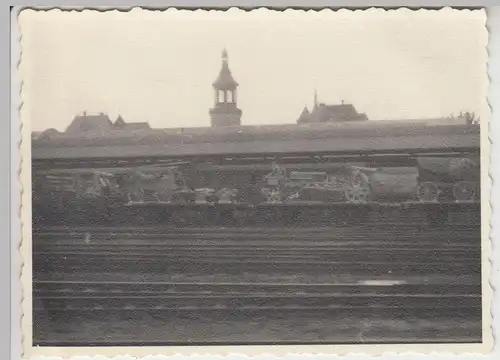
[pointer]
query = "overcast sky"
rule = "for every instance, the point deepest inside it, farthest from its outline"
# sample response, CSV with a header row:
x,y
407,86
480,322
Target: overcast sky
x,y
159,66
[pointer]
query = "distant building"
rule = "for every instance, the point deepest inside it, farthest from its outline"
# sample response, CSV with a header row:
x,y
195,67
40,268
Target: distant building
x,y
101,124
225,111
120,124
322,113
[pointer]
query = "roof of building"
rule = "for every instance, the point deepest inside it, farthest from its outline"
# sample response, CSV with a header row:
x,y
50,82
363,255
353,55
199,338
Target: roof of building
x,y
119,121
325,137
304,116
120,124
331,113
99,123
225,80
342,111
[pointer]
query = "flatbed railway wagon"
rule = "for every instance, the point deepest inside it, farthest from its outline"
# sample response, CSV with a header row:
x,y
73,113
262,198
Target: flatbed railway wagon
x,y
449,179
433,179
123,185
347,183
91,193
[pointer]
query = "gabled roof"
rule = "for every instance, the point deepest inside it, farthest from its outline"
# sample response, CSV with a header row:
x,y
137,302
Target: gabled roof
x,y
225,79
340,113
341,109
119,121
120,124
90,123
304,116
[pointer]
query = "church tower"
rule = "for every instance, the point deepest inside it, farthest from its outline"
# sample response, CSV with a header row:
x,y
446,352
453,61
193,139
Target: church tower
x,y
225,112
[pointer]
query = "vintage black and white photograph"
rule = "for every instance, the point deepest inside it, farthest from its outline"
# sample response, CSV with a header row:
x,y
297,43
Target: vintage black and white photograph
x,y
255,178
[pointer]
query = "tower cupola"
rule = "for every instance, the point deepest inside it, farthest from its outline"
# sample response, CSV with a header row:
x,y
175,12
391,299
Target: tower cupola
x,y
225,111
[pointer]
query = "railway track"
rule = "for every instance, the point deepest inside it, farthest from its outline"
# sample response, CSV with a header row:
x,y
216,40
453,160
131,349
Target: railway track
x,y
293,215
353,251
275,230
209,313
72,288
235,250
331,236
85,276
256,297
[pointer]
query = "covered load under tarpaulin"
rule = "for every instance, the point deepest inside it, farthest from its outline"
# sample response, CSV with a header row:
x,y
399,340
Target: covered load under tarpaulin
x,y
449,169
395,183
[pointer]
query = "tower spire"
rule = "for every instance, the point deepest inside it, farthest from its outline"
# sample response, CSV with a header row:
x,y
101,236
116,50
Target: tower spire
x,y
225,111
225,80
315,98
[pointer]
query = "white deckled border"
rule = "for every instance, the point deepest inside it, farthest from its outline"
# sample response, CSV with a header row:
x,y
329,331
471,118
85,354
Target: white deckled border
x,y
363,350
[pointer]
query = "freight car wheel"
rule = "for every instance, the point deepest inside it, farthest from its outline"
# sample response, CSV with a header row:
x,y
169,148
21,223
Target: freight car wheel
x,y
464,191
357,192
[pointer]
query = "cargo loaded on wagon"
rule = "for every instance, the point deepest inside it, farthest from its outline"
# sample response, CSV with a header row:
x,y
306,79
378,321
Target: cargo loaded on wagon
x,y
433,179
456,179
344,183
123,185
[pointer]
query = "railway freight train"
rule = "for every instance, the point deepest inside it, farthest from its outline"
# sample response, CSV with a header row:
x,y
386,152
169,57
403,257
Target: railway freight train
x,y
434,179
